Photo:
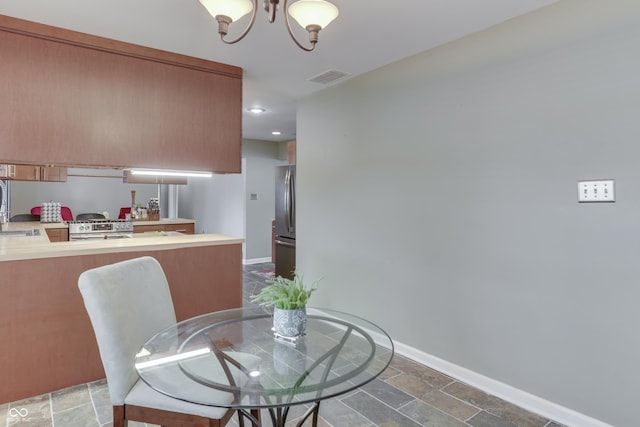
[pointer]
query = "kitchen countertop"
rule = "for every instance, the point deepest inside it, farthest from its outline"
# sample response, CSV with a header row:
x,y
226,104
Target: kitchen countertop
x,y
165,221
34,247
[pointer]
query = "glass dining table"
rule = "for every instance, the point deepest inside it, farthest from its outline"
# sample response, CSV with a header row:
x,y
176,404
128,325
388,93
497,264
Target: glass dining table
x,y
232,359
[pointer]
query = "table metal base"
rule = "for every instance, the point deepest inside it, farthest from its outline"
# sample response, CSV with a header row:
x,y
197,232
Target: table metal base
x,y
279,416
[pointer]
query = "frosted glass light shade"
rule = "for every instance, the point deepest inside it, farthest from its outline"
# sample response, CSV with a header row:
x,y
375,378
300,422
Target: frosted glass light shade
x,y
313,12
234,9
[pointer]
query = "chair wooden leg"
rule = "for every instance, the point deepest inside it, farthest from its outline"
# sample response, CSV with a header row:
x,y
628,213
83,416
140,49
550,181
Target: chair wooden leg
x,y
118,417
122,415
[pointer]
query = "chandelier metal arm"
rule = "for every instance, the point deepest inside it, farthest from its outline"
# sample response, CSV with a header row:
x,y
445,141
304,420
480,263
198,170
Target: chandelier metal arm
x,y
224,21
312,29
271,7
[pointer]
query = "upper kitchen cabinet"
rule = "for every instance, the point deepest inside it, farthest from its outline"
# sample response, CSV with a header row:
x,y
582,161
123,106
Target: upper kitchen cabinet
x,y
129,178
73,99
291,152
33,173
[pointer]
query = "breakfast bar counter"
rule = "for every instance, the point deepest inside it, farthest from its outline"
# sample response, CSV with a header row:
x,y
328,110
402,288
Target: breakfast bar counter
x,y
49,341
33,247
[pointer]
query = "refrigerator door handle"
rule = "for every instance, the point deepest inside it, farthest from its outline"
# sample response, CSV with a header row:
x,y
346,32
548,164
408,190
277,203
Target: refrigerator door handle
x,y
287,197
287,244
288,200
292,201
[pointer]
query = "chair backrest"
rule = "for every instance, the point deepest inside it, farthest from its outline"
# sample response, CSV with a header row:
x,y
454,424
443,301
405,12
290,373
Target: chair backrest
x,y
65,212
86,216
127,303
123,213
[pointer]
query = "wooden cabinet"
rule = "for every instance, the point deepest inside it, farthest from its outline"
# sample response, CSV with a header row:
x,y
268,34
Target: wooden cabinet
x,y
146,228
24,172
73,99
49,343
291,152
33,173
186,228
128,178
53,174
58,234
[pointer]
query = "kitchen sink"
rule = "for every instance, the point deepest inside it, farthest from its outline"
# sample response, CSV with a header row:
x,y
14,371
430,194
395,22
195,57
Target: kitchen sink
x,y
18,233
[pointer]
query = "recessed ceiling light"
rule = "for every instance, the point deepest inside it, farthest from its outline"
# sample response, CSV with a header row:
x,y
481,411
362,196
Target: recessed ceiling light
x,y
276,132
256,110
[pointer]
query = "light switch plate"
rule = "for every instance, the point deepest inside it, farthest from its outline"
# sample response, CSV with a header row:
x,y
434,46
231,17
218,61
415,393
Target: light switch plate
x,y
602,190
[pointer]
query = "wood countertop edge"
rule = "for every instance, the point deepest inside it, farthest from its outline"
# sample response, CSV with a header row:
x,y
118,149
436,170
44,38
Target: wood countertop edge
x,y
92,247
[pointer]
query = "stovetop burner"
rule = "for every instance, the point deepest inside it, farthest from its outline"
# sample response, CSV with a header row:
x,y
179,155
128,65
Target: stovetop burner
x,y
85,221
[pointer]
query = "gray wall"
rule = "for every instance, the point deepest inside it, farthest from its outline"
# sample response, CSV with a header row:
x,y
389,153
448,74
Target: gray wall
x,y
261,159
438,197
216,203
223,203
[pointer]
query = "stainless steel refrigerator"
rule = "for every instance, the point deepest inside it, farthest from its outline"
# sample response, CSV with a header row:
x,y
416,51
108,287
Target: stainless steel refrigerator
x,y
285,220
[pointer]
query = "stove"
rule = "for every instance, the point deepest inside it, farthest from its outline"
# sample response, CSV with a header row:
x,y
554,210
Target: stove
x,y
100,229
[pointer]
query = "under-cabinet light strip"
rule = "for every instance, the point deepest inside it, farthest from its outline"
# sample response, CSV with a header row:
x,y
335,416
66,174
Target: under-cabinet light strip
x,y
161,172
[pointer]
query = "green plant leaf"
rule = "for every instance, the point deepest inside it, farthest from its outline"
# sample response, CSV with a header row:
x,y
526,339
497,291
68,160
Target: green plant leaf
x,y
287,294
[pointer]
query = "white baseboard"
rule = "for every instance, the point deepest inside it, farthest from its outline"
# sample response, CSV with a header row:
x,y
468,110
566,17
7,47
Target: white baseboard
x,y
255,261
511,394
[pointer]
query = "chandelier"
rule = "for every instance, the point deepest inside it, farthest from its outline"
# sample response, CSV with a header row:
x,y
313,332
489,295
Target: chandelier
x,y
312,15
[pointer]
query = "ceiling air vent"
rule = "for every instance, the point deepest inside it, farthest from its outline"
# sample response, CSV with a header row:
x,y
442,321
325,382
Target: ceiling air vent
x,y
329,77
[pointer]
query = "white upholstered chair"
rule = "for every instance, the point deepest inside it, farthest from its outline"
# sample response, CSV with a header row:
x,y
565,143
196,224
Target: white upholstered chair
x,y
127,303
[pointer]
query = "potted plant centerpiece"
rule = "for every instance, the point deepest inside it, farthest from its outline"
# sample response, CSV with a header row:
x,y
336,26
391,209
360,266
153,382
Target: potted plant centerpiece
x,y
288,297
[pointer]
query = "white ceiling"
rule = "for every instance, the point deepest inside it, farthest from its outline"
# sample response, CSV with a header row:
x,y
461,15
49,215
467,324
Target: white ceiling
x,y
366,35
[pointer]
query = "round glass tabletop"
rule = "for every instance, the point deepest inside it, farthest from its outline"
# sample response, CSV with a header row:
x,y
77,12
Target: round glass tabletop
x,y
232,359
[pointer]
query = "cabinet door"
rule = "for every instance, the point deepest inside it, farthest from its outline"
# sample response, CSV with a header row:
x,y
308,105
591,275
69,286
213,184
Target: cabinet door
x,y
34,173
24,172
145,228
129,178
187,228
291,152
105,103
53,174
57,234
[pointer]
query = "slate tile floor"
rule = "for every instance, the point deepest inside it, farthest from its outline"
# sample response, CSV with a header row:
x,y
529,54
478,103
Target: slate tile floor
x,y
407,394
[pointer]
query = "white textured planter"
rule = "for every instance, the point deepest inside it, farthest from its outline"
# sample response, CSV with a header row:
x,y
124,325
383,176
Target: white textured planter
x,y
290,323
